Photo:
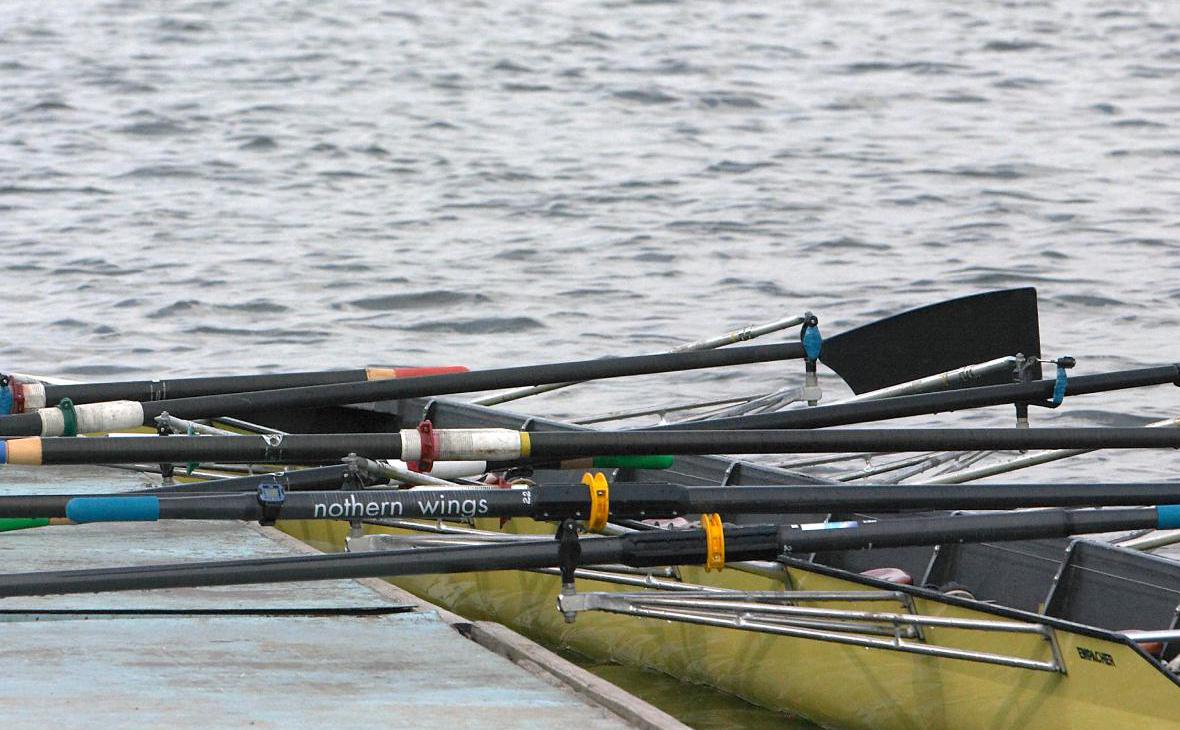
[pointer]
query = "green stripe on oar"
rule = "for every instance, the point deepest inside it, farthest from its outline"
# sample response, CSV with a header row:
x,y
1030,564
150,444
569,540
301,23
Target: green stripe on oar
x,y
638,549
632,462
503,447
22,523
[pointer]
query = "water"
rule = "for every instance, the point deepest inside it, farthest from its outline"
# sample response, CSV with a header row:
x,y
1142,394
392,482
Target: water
x,y
202,187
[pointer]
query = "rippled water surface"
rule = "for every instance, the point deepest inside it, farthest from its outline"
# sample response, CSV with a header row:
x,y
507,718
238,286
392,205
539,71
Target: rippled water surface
x,y
201,187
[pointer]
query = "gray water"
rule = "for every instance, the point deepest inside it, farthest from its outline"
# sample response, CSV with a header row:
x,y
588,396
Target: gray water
x,y
209,187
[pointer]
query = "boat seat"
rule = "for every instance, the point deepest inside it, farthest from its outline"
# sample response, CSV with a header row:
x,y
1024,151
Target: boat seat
x,y
1154,648
953,588
892,575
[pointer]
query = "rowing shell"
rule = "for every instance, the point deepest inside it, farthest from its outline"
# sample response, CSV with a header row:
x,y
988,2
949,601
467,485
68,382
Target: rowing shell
x,y
1036,634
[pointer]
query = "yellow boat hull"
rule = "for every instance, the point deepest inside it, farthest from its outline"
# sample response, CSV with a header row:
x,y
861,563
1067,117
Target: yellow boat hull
x,y
832,684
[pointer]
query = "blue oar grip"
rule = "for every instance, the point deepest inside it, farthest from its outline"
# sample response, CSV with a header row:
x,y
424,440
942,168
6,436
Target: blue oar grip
x,y
113,509
1168,516
3,452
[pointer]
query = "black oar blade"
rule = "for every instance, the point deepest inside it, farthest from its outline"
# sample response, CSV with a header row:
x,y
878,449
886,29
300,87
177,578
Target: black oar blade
x,y
937,338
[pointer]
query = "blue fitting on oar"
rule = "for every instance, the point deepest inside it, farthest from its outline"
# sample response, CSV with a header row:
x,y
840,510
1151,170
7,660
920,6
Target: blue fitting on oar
x,y
69,417
5,399
813,341
1063,364
113,509
1167,517
813,344
271,497
3,452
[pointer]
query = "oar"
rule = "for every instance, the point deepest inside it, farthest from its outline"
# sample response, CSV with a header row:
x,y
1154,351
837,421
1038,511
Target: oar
x,y
743,335
37,511
967,376
842,414
442,472
1026,460
504,447
638,549
594,499
29,396
908,333
296,480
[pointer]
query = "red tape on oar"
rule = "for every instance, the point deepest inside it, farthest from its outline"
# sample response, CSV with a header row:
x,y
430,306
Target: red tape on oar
x,y
429,448
392,373
18,396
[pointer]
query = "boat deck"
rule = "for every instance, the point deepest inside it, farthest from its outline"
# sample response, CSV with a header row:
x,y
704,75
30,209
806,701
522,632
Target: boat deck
x,y
307,655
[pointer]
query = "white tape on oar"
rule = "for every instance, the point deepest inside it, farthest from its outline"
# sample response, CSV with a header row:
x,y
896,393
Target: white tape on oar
x,y
444,469
93,417
34,396
481,444
466,444
411,444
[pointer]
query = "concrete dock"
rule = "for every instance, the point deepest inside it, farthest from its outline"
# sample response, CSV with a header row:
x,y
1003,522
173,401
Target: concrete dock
x,y
289,655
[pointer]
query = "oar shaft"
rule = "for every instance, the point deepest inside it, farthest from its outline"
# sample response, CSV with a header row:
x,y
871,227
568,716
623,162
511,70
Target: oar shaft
x,y
117,415
742,335
640,549
899,497
36,395
842,414
562,444
302,480
963,377
562,501
296,480
276,570
1025,460
502,447
337,505
232,449
915,531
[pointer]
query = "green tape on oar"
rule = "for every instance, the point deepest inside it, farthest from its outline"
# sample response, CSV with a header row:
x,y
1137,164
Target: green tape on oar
x,y
22,523
633,462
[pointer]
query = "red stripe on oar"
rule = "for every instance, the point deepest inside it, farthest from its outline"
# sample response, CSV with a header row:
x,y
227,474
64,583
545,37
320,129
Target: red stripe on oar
x,y
18,395
419,372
